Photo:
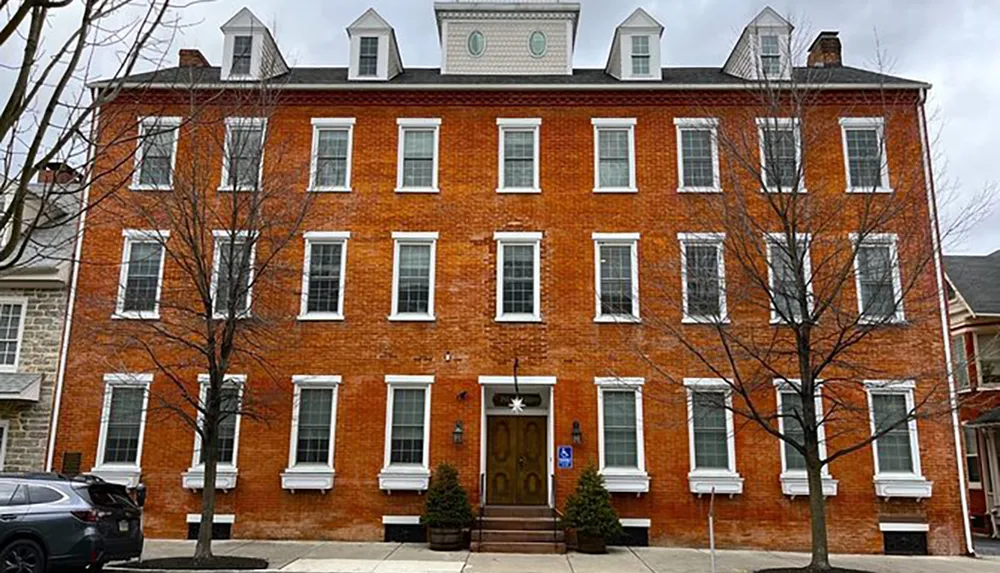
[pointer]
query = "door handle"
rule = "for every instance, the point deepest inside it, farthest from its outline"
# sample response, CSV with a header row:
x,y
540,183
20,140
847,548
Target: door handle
x,y
520,462
8,517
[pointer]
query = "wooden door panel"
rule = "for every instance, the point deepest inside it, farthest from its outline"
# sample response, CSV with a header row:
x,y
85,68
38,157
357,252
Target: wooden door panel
x,y
516,458
501,461
532,483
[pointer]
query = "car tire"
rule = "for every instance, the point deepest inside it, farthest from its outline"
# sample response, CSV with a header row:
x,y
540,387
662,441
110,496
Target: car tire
x,y
22,556
95,568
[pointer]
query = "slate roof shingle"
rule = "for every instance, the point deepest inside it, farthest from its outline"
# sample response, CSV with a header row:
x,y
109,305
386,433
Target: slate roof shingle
x,y
977,280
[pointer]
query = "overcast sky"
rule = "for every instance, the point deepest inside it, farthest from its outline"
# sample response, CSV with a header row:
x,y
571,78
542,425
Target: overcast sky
x,y
949,43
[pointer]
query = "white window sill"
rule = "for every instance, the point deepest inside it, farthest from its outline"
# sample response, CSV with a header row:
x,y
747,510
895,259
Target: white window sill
x,y
227,189
722,482
877,321
517,190
403,478
224,316
783,191
417,190
988,387
225,478
518,318
412,318
307,478
903,485
320,316
616,190
126,475
328,190
135,316
975,485
796,484
151,188
864,190
710,320
699,190
626,480
627,319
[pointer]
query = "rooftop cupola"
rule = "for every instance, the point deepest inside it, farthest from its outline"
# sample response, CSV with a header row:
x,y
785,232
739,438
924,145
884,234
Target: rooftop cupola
x,y
249,51
374,52
635,50
507,37
764,49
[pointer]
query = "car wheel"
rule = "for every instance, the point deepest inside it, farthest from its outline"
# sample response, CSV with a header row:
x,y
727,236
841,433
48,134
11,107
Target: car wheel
x,y
95,568
22,556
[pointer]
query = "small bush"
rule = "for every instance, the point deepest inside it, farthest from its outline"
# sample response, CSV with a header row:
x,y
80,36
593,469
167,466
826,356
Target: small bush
x,y
447,504
589,509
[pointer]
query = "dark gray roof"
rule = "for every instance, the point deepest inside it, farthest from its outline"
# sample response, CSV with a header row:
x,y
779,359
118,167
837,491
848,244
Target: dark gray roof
x,y
977,280
841,76
14,383
991,418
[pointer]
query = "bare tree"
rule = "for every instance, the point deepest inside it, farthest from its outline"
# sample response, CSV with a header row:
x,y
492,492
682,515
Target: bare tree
x,y
49,110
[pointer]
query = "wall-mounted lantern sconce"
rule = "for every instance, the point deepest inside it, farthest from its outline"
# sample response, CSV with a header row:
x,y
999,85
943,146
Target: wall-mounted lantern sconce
x,y
457,433
577,433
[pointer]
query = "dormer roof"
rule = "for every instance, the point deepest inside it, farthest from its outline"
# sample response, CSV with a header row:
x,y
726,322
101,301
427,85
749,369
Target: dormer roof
x,y
266,60
370,20
745,62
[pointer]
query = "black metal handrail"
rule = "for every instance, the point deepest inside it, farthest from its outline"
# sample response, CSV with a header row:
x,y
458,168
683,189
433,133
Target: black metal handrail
x,y
482,505
556,514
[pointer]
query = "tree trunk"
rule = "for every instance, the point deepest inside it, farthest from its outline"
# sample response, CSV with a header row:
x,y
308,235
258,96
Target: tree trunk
x,y
210,449
817,510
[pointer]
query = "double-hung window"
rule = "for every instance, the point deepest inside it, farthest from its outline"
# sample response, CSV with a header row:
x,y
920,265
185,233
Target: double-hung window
x,y
314,415
323,275
242,54
232,273
896,449
141,279
788,266
794,480
616,266
331,154
230,413
123,421
156,153
770,56
781,155
988,358
972,458
11,332
877,278
519,155
640,56
614,155
407,433
864,154
417,171
960,362
703,277
621,447
413,276
368,56
697,155
518,277
244,153
711,437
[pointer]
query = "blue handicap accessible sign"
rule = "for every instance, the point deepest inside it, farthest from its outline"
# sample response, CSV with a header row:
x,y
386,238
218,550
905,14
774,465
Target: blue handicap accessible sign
x,y
565,455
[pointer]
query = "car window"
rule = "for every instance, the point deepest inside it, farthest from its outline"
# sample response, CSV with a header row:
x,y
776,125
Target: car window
x,y
6,492
20,496
110,495
41,494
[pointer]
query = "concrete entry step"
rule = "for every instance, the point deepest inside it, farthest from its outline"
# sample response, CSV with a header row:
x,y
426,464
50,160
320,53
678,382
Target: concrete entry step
x,y
508,536
557,548
521,523
517,511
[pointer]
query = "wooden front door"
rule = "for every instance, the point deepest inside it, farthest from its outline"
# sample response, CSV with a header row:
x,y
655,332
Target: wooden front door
x,y
515,460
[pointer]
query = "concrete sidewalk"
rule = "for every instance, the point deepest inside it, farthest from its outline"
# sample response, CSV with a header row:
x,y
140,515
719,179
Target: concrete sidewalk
x,y
342,557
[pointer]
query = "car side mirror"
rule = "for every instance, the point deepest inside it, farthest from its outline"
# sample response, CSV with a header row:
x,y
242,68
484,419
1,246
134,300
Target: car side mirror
x,y
140,495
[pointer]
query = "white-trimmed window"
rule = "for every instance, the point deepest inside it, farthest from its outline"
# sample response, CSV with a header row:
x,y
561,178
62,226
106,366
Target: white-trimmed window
x,y
703,277
332,147
616,268
243,162
770,56
407,433
8,230
156,154
413,276
242,56
877,278
897,450
987,346
11,332
417,168
784,267
711,437
865,162
123,423
697,155
230,409
960,362
519,155
323,274
794,480
141,280
972,464
620,434
781,155
614,155
368,56
232,272
4,433
518,276
314,424
641,56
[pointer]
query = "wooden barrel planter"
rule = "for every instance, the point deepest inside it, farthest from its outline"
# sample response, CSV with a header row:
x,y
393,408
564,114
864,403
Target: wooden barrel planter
x,y
593,544
445,538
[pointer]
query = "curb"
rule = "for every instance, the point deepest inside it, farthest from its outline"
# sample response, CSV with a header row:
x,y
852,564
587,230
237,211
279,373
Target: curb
x,y
119,569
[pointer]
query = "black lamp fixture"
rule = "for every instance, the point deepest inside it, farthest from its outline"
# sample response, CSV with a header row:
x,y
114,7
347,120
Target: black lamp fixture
x,y
577,433
457,433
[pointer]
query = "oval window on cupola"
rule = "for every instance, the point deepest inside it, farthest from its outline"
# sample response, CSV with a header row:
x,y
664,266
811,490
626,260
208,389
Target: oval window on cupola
x,y
536,43
477,44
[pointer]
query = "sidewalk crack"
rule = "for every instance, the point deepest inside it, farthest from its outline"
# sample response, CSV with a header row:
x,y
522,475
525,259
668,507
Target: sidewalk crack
x,y
641,560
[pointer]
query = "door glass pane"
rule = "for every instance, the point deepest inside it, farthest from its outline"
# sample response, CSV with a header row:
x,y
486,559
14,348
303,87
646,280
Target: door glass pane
x,y
407,445
894,453
620,448
313,440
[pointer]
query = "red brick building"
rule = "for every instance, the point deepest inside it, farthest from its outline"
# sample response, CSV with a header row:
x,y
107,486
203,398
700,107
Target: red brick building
x,y
506,208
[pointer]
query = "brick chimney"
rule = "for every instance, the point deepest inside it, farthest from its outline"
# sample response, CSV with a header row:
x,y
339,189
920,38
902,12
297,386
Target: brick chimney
x,y
58,173
192,58
825,51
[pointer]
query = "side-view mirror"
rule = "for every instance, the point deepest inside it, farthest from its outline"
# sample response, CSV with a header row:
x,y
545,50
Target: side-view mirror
x,y
140,495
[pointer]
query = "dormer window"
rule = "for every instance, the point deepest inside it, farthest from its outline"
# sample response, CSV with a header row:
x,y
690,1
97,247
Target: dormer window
x,y
242,48
368,57
770,56
640,55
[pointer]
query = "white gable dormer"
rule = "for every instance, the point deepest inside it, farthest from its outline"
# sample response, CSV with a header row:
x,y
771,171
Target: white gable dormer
x,y
635,50
763,50
374,53
250,52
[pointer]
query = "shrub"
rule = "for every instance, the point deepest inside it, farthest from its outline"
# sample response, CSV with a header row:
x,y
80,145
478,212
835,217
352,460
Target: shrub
x,y
589,509
447,504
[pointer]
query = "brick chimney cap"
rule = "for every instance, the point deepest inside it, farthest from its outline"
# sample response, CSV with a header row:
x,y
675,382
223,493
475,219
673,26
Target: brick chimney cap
x,y
824,35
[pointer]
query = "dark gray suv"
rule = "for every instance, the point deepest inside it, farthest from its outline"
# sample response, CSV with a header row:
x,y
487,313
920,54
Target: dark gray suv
x,y
49,522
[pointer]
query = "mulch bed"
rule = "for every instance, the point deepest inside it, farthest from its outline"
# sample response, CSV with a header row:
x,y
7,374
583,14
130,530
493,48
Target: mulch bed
x,y
215,563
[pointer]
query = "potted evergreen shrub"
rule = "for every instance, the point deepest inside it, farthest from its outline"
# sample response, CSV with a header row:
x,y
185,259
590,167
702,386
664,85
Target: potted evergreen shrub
x,y
446,510
590,514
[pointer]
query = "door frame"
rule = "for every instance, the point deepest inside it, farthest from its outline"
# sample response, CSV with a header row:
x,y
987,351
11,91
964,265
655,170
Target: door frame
x,y
531,381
